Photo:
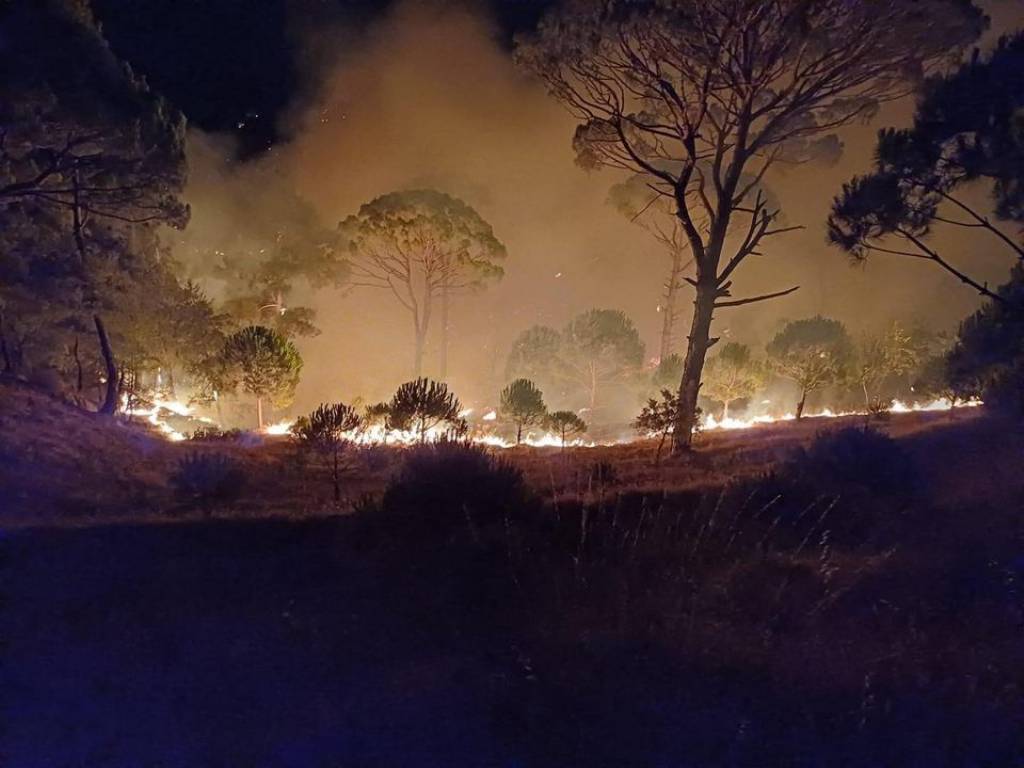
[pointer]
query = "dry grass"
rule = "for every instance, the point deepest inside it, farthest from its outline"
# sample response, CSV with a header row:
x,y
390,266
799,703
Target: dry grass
x,y
62,466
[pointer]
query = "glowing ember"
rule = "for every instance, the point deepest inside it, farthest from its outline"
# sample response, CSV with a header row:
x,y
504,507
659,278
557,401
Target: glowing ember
x,y
153,416
942,404
280,428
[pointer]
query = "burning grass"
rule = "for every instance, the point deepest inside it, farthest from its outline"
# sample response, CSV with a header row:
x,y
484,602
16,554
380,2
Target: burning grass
x,y
62,466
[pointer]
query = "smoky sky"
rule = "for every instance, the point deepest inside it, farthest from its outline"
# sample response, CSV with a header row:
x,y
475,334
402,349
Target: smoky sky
x,y
427,95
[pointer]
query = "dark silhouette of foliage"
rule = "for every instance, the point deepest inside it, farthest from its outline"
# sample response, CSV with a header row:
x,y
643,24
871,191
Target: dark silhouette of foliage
x,y
967,129
92,163
209,480
522,404
448,488
566,425
658,418
423,404
859,456
814,352
326,430
988,356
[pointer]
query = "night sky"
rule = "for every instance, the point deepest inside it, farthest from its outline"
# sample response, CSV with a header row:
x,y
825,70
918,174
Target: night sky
x,y
233,65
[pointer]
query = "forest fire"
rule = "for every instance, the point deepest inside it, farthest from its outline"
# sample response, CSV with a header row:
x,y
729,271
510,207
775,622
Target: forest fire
x,y
161,411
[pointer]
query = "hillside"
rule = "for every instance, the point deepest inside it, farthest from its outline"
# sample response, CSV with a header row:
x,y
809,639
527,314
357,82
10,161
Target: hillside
x,y
60,465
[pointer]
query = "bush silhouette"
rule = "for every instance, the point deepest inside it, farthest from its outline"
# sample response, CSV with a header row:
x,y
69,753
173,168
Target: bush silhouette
x,y
208,480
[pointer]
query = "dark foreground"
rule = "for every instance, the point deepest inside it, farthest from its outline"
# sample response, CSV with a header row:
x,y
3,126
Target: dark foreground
x,y
237,644
860,606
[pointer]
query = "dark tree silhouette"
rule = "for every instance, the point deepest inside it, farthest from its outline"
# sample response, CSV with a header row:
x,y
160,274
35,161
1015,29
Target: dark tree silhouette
x,y
523,405
967,129
723,88
326,430
658,417
421,405
91,160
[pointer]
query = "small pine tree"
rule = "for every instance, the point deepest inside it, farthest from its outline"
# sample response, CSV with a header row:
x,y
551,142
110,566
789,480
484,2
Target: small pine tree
x,y
267,364
566,424
423,404
522,404
658,417
326,431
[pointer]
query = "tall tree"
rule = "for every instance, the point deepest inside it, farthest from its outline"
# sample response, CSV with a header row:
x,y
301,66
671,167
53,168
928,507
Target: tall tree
x,y
90,161
814,352
968,128
268,365
423,246
723,87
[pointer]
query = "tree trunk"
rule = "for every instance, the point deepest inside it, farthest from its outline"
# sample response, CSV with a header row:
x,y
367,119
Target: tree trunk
x,y
867,397
8,360
725,410
259,412
661,445
593,387
699,342
79,377
801,404
519,434
443,372
337,487
671,296
109,405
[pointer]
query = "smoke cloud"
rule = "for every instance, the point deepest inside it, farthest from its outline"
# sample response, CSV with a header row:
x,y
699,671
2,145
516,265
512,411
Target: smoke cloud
x,y
428,97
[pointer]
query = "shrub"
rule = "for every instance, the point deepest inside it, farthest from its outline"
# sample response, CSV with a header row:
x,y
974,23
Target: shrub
x,y
208,480
449,486
858,456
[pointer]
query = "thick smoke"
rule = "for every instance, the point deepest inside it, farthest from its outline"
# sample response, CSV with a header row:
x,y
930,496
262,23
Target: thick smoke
x,y
427,97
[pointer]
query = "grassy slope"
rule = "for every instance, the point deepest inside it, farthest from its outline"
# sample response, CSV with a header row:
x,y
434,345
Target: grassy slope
x,y
286,643
60,465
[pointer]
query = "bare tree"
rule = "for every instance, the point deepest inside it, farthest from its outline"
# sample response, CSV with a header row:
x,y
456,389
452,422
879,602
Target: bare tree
x,y
656,215
717,88
422,245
